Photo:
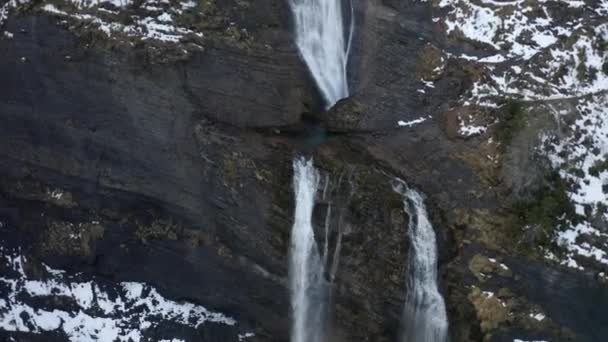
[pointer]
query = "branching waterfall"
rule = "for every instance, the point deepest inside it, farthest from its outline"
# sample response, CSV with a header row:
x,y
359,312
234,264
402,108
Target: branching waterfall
x,y
306,269
324,44
424,314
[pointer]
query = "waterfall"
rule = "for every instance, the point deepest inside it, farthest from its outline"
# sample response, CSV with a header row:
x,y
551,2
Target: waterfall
x,y
320,38
424,316
306,269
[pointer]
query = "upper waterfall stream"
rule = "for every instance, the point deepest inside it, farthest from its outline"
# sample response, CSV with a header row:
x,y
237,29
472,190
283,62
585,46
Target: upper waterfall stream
x,y
323,44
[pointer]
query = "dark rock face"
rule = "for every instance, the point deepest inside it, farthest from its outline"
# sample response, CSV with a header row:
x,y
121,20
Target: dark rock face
x,y
178,174
387,61
556,289
119,135
246,87
344,116
238,87
188,201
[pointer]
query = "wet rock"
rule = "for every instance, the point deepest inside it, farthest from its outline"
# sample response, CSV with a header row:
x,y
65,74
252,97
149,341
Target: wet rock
x,y
344,116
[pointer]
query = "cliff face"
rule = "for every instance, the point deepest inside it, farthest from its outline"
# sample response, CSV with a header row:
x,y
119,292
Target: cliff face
x,y
149,157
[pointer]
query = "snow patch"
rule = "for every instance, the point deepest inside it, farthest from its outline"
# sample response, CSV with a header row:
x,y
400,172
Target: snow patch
x,y
557,66
467,128
121,314
155,26
6,8
581,160
243,337
411,123
95,3
537,316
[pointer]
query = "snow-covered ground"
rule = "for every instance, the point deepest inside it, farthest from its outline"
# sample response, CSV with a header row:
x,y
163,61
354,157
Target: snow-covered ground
x,y
531,54
554,52
123,312
156,20
582,159
158,25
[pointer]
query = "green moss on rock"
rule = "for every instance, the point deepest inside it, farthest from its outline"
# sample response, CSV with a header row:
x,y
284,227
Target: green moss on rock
x,y
491,310
512,121
71,239
158,230
60,198
539,218
430,63
482,267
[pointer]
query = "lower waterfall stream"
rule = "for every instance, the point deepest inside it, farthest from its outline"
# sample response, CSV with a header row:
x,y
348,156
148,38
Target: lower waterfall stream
x,y
424,313
307,285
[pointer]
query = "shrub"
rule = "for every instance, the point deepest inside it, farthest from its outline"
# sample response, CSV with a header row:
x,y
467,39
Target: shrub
x,y
548,208
513,121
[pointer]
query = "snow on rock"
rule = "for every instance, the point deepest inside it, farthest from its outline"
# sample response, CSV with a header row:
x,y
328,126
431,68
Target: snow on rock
x,y
559,46
155,27
569,69
154,20
188,4
94,3
468,129
55,194
582,160
566,70
501,265
243,337
549,52
122,313
510,27
411,123
7,7
602,7
537,316
471,130
472,21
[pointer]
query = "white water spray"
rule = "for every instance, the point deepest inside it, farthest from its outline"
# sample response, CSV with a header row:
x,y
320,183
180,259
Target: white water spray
x,y
424,317
306,269
320,37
